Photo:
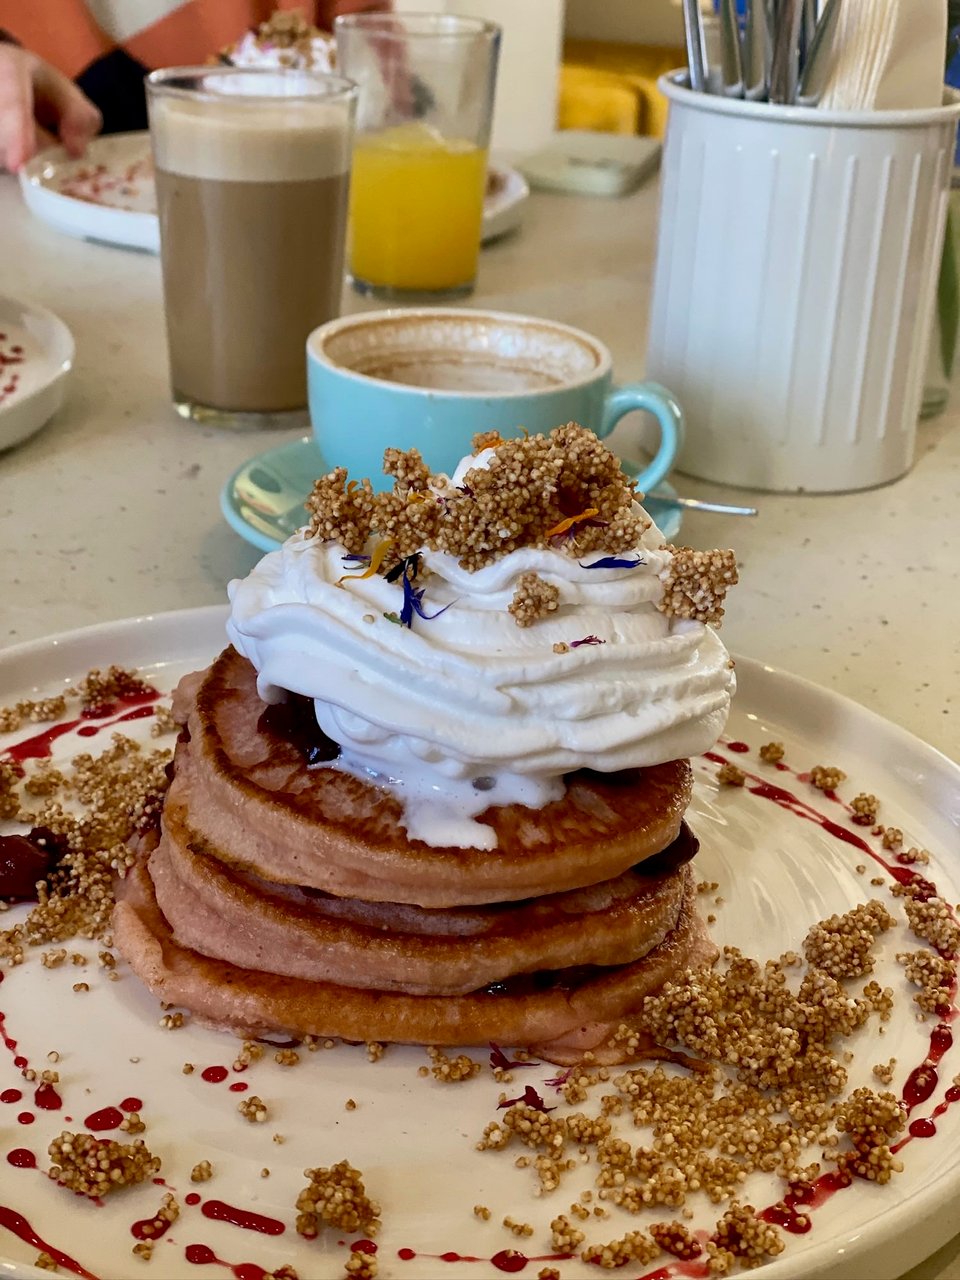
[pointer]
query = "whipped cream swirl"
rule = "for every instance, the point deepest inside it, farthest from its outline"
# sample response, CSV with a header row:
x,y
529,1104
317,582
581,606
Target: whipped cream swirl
x,y
316,54
466,709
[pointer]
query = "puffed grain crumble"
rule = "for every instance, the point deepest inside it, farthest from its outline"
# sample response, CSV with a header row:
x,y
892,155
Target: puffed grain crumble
x,y
729,775
96,1166
360,1265
201,1172
865,808
336,1198
826,777
168,1213
533,599
695,584
451,1070
253,1109
772,752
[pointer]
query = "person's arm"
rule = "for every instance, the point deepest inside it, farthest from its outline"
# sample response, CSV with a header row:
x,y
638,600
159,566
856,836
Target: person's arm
x,y
39,104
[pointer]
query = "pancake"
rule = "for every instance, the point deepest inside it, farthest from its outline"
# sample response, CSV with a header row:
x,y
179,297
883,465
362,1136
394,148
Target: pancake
x,y
257,808
304,933
533,1010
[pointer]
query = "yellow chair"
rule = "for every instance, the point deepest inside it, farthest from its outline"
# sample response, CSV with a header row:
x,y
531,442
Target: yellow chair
x,y
612,88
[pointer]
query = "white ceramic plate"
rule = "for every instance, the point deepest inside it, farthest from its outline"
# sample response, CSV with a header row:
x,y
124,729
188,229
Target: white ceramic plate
x,y
109,194
413,1138
36,356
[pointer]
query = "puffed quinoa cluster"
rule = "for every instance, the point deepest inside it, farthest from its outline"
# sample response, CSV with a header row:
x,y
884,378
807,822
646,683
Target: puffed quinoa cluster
x,y
865,808
935,976
451,1070
533,599
253,1109
360,1265
772,752
120,793
729,775
201,1172
529,488
843,945
695,584
932,919
337,1198
96,1166
32,711
168,1212
826,777
250,1051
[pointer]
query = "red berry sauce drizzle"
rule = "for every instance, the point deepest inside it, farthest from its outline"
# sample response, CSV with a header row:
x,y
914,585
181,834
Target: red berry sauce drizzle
x,y
39,746
202,1255
792,1212
508,1260
11,355
20,1227
98,184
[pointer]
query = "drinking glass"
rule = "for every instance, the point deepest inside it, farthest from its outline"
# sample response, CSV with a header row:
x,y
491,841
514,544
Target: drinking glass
x,y
420,157
252,171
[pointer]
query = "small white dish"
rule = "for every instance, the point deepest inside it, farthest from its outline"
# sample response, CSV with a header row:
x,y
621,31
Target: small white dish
x,y
507,193
109,195
36,356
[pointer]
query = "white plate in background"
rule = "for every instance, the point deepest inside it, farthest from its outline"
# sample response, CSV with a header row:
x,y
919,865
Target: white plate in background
x,y
36,356
109,195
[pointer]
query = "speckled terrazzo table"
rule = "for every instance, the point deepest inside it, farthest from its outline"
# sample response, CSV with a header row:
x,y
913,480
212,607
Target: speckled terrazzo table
x,y
113,509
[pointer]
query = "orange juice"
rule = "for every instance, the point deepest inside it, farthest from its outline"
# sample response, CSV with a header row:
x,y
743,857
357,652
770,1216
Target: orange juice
x,y
416,203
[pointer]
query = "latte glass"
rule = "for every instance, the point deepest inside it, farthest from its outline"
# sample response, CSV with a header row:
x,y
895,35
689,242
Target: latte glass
x,y
420,158
252,170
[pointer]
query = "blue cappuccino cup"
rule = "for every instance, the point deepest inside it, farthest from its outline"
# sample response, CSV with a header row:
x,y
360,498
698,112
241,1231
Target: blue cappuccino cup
x,y
432,378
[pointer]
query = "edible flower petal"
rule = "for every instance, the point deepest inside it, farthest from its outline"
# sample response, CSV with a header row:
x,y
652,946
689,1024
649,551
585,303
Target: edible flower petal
x,y
570,521
499,1059
413,604
557,1082
376,560
575,644
530,1098
613,562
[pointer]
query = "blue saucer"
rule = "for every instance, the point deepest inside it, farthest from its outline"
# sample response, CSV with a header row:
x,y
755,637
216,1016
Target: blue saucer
x,y
263,500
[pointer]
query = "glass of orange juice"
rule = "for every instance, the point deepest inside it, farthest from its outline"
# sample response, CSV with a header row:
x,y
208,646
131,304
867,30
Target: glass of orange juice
x,y
420,156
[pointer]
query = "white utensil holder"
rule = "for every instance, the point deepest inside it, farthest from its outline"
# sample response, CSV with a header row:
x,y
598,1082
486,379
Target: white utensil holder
x,y
796,272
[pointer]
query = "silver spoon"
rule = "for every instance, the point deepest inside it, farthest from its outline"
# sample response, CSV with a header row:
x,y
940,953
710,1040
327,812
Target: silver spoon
x,y
699,504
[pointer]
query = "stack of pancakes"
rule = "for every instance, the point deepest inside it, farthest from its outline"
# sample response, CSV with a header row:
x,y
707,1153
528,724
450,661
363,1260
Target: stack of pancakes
x,y
284,895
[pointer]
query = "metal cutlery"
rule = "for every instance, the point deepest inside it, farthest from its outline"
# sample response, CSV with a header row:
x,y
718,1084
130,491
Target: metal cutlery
x,y
696,45
731,62
784,63
816,67
756,51
699,504
783,55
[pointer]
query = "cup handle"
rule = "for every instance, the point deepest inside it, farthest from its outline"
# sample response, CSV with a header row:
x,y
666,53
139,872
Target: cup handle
x,y
657,400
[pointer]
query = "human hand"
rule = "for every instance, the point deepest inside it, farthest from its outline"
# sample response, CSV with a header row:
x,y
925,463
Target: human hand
x,y
34,98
